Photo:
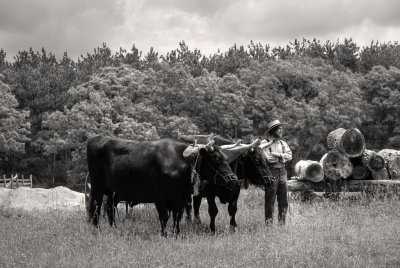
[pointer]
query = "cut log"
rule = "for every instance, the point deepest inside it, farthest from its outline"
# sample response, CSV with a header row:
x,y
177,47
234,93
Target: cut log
x,y
336,165
392,159
351,142
380,174
372,160
376,164
349,185
334,138
360,173
309,170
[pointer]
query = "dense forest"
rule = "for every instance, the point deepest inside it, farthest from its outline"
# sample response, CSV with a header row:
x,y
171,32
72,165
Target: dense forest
x,y
50,107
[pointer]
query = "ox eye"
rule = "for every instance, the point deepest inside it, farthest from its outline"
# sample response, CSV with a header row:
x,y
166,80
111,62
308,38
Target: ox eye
x,y
218,160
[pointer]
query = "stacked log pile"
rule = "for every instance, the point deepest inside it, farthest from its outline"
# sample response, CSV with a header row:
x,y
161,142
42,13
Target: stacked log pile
x,y
348,160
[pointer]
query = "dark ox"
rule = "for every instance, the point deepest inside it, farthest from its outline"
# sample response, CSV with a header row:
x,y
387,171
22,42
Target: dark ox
x,y
149,172
248,163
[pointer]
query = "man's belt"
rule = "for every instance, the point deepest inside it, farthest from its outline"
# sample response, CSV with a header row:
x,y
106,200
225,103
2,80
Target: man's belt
x,y
276,165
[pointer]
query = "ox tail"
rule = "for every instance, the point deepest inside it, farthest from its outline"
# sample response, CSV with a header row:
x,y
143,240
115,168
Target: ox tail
x,y
87,195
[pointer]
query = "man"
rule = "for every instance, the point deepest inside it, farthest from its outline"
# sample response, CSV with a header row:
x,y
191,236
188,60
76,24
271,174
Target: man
x,y
277,153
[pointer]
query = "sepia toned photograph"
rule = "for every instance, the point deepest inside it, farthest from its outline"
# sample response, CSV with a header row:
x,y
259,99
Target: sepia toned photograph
x,y
189,133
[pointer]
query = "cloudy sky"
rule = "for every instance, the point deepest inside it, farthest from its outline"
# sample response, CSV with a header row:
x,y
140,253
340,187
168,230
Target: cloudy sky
x,y
78,26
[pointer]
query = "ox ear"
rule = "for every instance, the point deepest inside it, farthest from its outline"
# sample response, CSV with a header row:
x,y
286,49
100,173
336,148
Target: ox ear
x,y
190,152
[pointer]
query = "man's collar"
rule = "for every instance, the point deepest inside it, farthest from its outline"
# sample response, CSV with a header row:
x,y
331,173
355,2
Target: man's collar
x,y
275,140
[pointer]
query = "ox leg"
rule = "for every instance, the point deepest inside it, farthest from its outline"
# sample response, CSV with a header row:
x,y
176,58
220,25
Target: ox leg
x,y
177,216
163,215
104,205
232,209
110,208
188,209
126,209
196,208
212,211
96,200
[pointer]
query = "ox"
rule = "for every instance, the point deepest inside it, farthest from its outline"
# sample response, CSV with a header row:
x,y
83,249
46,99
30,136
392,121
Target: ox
x,y
249,164
150,172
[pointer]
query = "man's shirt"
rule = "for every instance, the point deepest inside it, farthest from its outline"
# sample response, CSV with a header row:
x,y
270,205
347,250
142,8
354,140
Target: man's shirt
x,y
280,147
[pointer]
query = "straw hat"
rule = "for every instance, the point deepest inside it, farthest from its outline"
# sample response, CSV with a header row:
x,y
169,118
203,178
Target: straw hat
x,y
273,124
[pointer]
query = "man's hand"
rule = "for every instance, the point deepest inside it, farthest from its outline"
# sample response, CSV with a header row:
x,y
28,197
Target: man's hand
x,y
277,155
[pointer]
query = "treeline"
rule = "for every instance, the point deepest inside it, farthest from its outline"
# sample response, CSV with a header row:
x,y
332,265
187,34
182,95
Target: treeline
x,y
50,107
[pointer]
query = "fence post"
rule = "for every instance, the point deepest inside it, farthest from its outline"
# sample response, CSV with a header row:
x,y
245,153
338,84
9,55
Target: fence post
x,y
23,180
4,180
30,176
16,179
11,181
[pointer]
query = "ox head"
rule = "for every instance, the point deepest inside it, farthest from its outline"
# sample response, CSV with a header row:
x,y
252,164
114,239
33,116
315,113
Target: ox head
x,y
212,165
252,163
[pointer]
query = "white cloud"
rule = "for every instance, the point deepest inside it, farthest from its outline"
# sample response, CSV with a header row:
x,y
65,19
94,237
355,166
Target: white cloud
x,y
80,26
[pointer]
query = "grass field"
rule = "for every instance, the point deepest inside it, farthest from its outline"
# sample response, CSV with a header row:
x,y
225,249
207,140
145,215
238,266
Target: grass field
x,y
346,233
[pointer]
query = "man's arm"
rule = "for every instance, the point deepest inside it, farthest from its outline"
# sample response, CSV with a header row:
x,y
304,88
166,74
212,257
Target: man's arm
x,y
287,153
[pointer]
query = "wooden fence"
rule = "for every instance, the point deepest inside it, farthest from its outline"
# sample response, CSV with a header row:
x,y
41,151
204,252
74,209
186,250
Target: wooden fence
x,y
15,181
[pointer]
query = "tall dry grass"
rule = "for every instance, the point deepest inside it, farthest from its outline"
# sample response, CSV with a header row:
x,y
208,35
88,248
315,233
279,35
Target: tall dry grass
x,y
344,233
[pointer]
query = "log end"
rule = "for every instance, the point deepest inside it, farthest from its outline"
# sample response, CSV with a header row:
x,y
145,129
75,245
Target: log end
x,y
360,173
353,142
314,172
394,174
377,162
337,165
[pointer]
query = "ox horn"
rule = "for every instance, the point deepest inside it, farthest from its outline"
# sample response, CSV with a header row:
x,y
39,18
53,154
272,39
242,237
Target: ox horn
x,y
255,143
233,152
209,146
231,146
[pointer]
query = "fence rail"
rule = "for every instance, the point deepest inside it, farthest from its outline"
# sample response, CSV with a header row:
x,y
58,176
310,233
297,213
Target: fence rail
x,y
15,181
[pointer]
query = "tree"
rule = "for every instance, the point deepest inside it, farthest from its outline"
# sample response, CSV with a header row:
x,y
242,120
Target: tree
x,y
384,54
14,128
381,91
346,54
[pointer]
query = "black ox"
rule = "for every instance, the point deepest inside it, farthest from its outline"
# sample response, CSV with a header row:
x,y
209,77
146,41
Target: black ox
x,y
150,172
247,162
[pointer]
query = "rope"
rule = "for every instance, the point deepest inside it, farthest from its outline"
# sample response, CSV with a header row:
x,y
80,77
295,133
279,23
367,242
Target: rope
x,y
222,176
